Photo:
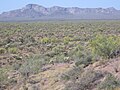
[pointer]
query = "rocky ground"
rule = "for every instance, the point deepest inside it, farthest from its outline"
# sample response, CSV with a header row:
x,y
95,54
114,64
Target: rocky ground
x,y
49,78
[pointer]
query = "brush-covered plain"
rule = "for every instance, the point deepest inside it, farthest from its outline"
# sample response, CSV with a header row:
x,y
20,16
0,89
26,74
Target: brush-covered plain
x,y
31,48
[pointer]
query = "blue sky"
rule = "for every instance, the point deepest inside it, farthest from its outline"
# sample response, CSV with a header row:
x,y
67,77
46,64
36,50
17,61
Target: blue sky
x,y
6,5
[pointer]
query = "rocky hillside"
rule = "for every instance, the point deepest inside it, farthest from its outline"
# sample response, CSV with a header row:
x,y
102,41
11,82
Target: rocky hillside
x,y
67,76
56,12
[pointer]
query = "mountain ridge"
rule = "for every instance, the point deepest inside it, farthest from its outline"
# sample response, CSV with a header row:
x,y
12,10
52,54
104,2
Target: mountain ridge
x,y
41,12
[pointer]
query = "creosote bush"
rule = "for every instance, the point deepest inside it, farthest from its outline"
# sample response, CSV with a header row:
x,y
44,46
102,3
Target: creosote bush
x,y
2,50
32,66
72,74
13,50
86,60
104,46
3,76
82,56
66,40
84,81
45,40
110,83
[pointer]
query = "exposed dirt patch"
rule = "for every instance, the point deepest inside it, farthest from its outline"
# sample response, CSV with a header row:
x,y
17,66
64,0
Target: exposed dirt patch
x,y
46,80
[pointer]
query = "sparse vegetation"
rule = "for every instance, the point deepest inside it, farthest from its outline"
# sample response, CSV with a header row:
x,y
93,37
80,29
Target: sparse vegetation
x,y
41,47
110,83
84,81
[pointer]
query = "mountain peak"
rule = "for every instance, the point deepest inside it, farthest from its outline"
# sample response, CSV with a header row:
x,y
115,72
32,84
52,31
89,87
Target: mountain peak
x,y
38,11
31,6
112,9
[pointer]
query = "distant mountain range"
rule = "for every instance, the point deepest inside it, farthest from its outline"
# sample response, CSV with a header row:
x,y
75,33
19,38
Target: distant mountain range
x,y
34,11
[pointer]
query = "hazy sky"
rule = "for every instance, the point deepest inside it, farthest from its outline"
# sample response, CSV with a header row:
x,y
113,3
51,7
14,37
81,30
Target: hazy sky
x,y
6,5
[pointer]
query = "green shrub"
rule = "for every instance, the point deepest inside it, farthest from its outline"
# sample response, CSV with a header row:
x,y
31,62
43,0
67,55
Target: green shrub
x,y
77,52
2,50
85,80
104,45
13,50
17,57
51,54
86,60
54,40
66,40
72,74
16,66
32,66
8,40
3,76
58,49
82,56
58,59
110,83
45,40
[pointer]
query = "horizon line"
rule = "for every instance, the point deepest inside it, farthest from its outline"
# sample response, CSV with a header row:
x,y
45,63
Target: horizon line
x,y
61,6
